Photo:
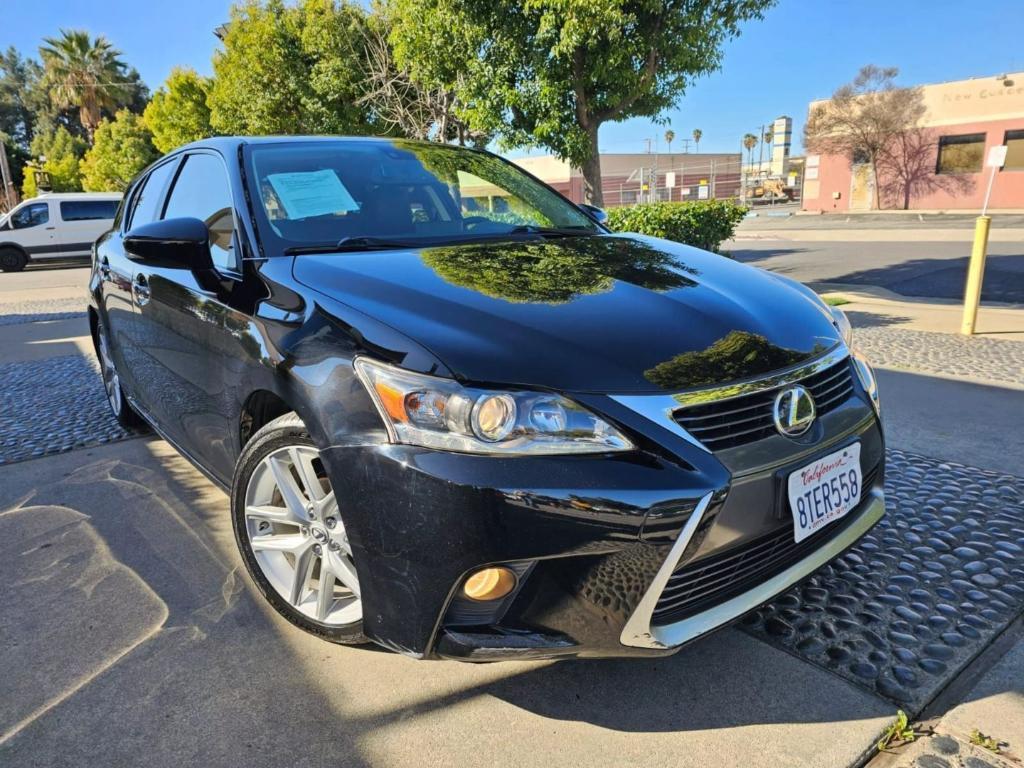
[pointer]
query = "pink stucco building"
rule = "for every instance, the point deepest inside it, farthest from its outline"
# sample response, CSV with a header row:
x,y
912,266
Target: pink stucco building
x,y
963,120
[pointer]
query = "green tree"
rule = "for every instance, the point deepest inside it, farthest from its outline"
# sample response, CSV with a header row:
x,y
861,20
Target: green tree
x,y
19,86
59,153
698,134
19,77
178,112
552,72
670,136
121,148
434,54
86,73
290,69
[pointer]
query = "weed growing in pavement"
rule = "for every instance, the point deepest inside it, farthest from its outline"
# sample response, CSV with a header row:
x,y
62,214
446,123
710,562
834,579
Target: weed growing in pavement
x,y
979,739
899,732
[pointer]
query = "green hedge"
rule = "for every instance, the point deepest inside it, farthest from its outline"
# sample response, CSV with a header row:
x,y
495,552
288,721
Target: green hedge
x,y
701,223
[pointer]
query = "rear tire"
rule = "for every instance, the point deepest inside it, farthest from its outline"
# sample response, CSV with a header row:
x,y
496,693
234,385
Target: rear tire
x,y
12,260
290,533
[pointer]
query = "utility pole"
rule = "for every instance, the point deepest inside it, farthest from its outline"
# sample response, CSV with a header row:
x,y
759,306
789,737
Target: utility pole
x,y
5,177
760,152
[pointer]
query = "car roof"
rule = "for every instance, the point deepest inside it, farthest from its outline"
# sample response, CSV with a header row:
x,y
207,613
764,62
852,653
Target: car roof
x,y
77,196
230,143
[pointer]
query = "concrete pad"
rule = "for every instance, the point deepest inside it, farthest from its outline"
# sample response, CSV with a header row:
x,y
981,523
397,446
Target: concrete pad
x,y
995,705
954,420
42,340
68,610
227,681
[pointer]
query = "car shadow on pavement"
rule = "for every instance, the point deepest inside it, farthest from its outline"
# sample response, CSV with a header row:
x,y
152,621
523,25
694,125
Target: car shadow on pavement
x,y
874,319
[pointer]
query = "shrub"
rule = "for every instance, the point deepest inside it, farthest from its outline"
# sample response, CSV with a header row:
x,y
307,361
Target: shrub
x,y
702,223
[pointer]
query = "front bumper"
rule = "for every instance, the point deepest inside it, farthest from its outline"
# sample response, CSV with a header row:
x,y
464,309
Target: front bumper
x,y
596,538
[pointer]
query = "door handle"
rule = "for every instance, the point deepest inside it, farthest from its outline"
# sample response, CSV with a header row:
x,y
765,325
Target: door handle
x,y
140,287
50,227
104,269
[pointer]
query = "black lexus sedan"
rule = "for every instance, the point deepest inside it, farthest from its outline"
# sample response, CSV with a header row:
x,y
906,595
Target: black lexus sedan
x,y
459,417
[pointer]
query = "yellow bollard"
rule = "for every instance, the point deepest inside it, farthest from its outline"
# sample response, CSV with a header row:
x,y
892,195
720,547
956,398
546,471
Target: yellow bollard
x,y
975,274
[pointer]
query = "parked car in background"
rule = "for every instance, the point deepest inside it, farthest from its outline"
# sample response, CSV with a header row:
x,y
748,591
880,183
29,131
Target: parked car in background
x,y
60,225
459,417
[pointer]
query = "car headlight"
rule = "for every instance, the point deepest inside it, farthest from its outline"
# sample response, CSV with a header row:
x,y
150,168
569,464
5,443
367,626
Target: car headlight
x,y
441,413
866,374
842,323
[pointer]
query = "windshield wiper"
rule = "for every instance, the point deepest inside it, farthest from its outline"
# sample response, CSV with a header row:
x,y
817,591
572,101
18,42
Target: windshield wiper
x,y
534,229
361,243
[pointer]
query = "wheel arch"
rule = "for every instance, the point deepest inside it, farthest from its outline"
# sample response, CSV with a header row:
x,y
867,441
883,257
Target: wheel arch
x,y
16,247
260,408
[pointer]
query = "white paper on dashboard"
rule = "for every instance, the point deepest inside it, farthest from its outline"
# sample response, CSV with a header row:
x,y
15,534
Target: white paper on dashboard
x,y
311,193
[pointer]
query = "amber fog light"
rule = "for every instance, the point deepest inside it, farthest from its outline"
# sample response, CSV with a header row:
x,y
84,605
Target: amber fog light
x,y
489,584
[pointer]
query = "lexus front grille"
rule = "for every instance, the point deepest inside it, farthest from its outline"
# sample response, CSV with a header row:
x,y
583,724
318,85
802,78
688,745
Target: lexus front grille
x,y
722,424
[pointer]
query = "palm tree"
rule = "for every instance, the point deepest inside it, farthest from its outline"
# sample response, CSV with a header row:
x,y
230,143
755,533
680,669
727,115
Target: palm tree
x,y
697,134
670,136
749,142
85,72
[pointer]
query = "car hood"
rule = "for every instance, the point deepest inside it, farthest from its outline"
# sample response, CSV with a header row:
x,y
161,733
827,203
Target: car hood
x,y
614,314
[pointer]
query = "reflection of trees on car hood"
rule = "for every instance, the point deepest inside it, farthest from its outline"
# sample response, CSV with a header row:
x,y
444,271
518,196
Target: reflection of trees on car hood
x,y
738,355
556,272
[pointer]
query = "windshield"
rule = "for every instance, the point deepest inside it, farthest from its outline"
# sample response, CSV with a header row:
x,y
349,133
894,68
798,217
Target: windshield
x,y
322,192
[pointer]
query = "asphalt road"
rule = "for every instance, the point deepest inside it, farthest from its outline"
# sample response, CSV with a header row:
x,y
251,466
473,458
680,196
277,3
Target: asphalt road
x,y
924,269
769,217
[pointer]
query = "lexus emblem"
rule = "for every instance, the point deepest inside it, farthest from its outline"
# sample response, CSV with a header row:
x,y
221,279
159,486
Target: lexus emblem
x,y
793,411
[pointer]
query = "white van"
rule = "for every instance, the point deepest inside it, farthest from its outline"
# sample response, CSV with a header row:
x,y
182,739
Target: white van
x,y
57,225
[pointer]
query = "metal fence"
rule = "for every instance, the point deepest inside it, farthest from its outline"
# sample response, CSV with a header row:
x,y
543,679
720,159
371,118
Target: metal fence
x,y
681,179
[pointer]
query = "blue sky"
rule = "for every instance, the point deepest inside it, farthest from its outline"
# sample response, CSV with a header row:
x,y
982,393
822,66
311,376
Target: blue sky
x,y
801,51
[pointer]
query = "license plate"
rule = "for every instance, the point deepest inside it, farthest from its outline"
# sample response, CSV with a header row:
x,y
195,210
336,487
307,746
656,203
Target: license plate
x,y
824,490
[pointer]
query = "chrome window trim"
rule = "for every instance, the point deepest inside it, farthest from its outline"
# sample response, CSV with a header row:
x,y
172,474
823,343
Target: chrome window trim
x,y
660,408
639,632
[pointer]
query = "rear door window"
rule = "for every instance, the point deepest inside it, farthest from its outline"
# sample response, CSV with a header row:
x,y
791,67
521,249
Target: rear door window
x,y
87,210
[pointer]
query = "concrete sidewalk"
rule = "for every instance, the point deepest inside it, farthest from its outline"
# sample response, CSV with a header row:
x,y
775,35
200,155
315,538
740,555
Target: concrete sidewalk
x,y
934,315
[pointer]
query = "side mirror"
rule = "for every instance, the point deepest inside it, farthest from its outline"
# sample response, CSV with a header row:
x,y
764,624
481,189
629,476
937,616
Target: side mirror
x,y
176,243
595,212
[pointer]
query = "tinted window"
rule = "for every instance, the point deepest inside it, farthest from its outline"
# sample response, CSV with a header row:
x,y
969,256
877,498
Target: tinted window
x,y
961,154
30,216
87,210
320,192
202,192
145,208
1014,141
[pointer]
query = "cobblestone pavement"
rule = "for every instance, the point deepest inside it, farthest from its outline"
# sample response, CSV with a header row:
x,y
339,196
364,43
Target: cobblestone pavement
x,y
16,312
53,406
922,593
944,751
943,353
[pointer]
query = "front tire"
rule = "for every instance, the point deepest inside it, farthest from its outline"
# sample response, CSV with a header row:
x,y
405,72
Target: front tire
x,y
12,260
289,531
